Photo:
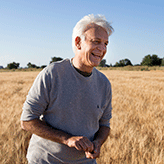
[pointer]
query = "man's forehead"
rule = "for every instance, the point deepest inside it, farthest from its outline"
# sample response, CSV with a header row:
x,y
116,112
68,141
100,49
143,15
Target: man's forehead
x,y
94,26
96,31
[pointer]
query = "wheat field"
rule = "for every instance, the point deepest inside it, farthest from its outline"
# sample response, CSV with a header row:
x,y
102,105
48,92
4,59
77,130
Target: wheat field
x,y
137,125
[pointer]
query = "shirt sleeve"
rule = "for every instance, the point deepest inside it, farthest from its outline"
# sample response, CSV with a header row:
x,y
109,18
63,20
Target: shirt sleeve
x,y
38,97
107,114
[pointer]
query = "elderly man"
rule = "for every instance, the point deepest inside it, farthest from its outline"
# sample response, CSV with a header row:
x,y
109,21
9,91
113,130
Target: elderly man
x,y
68,108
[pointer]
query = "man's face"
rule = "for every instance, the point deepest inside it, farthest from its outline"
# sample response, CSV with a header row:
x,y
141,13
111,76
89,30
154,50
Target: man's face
x,y
94,47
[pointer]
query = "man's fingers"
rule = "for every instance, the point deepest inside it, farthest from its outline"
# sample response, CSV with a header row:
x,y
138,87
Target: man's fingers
x,y
92,155
86,144
78,147
95,153
80,143
89,145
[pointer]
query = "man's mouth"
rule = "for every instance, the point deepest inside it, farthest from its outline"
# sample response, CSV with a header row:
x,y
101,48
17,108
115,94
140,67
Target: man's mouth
x,y
96,55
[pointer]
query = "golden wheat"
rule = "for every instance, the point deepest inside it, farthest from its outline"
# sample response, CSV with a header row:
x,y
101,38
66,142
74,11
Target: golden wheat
x,y
137,126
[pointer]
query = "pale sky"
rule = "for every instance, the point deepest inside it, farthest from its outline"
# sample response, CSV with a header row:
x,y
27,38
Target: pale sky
x,y
36,30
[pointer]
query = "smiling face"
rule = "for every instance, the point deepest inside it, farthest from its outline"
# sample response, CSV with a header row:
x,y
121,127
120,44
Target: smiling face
x,y
92,50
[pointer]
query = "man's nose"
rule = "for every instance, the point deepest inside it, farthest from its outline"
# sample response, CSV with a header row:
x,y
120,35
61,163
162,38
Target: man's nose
x,y
102,47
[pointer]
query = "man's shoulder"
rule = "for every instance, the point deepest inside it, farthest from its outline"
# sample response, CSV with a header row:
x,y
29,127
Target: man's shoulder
x,y
60,63
56,66
100,75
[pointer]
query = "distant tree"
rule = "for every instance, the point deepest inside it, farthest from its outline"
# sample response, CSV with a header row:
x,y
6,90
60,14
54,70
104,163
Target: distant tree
x,y
162,62
127,62
155,60
29,65
107,65
116,64
110,65
151,60
123,62
102,63
43,66
147,60
55,59
13,65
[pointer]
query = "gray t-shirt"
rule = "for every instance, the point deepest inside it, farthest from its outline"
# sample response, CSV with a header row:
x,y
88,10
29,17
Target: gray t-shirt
x,y
70,102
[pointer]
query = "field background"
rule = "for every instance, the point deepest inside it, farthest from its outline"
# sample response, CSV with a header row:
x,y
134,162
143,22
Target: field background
x,y
137,126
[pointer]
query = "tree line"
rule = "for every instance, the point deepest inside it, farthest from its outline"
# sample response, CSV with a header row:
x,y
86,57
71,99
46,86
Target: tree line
x,y
14,65
148,60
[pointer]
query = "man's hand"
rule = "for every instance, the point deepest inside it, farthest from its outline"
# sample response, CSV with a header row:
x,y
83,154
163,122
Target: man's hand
x,y
100,138
80,143
95,153
41,129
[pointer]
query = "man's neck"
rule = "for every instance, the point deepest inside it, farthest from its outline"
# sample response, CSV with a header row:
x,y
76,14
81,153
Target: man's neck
x,y
80,66
83,73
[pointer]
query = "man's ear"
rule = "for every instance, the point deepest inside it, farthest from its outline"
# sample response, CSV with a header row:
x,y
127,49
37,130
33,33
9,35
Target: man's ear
x,y
78,42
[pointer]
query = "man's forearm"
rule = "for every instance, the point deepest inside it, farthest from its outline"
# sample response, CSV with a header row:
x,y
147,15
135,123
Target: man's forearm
x,y
99,139
102,134
41,129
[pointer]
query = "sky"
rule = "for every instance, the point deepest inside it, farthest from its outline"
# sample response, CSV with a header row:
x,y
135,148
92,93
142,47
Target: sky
x,y
37,30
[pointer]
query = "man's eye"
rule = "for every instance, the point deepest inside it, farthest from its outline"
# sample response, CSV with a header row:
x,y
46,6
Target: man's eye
x,y
96,42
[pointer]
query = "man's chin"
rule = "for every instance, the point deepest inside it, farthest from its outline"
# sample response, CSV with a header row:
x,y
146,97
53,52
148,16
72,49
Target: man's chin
x,y
95,64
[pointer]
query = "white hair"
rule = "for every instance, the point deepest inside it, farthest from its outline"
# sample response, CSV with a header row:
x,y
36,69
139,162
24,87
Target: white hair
x,y
80,27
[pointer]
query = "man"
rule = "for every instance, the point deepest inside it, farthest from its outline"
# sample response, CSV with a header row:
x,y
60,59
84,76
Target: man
x,y
68,108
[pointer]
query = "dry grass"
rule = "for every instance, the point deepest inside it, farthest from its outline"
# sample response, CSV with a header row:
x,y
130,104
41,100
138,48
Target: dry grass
x,y
134,68
13,90
137,126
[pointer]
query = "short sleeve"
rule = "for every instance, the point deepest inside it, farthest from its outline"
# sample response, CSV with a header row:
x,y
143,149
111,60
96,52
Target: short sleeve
x,y
38,97
107,114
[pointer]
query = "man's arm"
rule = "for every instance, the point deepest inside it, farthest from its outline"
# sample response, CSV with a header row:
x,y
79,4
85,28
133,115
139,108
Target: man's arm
x,y
100,138
41,129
